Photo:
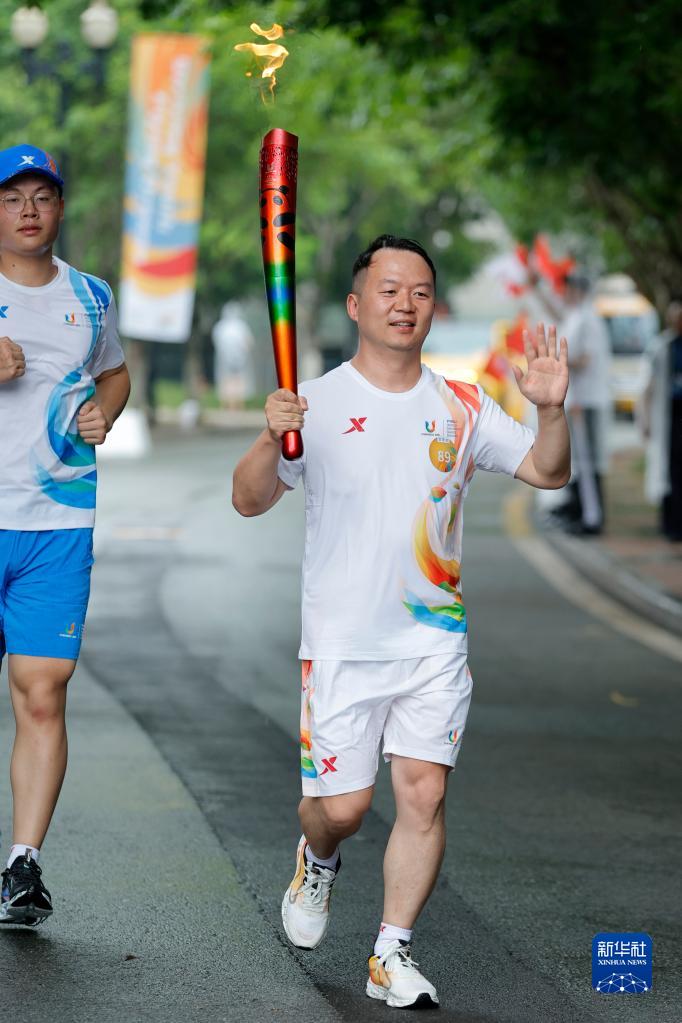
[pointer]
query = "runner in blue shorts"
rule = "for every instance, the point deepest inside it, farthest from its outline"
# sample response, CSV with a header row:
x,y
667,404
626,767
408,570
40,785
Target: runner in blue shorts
x,y
63,382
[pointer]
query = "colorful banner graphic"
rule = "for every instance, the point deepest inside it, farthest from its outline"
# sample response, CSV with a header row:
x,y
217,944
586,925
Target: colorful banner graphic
x,y
164,185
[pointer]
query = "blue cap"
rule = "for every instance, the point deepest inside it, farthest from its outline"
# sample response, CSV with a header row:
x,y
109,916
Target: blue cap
x,y
28,160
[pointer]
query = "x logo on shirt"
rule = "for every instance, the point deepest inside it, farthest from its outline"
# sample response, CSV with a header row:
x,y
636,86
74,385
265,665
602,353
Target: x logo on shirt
x,y
3,312
357,425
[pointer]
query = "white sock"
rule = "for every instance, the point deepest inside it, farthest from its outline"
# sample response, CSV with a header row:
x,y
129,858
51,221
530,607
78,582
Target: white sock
x,y
20,850
331,863
387,934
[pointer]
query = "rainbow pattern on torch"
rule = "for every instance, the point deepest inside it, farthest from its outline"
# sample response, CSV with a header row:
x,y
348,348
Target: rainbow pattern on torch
x,y
278,178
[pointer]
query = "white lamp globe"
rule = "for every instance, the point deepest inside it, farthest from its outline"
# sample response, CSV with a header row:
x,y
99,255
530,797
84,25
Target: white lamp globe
x,y
29,26
99,25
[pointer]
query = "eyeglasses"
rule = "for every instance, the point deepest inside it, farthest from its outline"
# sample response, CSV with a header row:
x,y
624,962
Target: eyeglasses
x,y
44,202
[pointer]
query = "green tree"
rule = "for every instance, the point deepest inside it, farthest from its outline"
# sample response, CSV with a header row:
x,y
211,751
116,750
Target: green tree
x,y
92,135
370,160
583,99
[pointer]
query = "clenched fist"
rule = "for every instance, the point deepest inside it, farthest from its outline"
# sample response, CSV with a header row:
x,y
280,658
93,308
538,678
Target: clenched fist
x,y
12,360
92,423
284,411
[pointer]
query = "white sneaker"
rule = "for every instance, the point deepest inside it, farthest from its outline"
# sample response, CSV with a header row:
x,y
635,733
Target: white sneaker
x,y
305,907
395,979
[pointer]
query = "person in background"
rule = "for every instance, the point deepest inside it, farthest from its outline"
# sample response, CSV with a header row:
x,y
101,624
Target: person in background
x,y
588,405
660,416
233,342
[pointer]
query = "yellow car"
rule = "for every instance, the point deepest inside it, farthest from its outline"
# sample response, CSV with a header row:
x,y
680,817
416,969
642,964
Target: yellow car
x,y
474,351
631,322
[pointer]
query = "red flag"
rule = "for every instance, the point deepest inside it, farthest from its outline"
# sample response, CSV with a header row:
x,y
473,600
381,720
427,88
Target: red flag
x,y
514,336
496,366
555,271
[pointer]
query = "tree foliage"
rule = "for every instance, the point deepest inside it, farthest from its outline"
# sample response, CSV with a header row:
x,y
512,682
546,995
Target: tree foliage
x,y
584,102
370,160
561,114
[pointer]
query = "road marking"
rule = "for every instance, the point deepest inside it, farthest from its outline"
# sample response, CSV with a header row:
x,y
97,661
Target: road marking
x,y
516,514
623,701
564,578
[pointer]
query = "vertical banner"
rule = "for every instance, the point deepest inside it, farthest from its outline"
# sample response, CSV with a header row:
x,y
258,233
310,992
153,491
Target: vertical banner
x,y
165,158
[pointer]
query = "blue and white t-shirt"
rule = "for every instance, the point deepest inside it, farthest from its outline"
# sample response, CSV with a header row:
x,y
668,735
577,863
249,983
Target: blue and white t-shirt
x,y
68,332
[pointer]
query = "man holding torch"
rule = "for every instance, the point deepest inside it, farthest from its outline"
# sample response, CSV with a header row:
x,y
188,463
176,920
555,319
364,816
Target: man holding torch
x,y
389,452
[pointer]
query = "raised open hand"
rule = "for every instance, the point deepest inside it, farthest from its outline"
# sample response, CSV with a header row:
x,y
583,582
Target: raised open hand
x,y
545,382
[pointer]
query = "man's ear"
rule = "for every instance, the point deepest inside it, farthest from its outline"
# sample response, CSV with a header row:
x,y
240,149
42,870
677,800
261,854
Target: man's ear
x,y
352,306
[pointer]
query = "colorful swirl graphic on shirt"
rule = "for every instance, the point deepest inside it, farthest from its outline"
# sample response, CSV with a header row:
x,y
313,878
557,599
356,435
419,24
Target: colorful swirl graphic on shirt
x,y
64,440
437,528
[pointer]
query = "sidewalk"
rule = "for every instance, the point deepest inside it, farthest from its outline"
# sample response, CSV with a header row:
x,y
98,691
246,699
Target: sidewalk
x,y
152,923
631,561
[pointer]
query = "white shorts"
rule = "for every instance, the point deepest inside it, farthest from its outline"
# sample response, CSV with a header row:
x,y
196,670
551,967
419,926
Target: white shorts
x,y
419,706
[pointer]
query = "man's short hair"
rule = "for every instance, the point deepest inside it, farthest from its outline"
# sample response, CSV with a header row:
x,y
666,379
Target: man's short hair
x,y
391,241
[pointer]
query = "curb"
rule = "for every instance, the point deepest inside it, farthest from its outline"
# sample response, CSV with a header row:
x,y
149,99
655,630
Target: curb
x,y
608,573
589,558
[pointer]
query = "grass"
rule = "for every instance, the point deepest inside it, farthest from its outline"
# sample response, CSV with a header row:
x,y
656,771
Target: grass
x,y
172,393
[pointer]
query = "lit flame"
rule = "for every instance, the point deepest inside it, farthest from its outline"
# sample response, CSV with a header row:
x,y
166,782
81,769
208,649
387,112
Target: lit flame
x,y
276,32
269,56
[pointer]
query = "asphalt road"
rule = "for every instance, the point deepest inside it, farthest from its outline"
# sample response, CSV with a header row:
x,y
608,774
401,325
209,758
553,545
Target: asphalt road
x,y
175,836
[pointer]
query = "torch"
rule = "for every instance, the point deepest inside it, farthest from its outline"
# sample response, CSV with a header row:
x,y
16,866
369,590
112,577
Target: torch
x,y
278,172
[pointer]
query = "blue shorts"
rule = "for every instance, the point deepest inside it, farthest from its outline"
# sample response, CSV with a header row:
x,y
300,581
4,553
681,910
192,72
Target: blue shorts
x,y
44,590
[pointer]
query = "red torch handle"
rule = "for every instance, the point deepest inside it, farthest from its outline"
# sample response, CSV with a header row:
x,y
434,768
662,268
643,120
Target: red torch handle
x,y
278,174
292,445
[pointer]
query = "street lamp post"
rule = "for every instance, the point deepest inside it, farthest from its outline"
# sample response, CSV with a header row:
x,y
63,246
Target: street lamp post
x,y
99,27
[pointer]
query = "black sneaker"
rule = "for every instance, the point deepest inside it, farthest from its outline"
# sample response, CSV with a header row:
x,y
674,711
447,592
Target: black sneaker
x,y
24,898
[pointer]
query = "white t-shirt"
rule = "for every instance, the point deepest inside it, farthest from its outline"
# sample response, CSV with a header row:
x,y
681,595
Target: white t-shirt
x,y
586,333
385,477
68,332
